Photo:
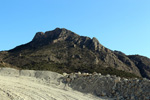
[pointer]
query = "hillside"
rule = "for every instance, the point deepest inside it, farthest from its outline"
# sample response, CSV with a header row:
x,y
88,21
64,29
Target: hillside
x,y
62,50
47,85
37,85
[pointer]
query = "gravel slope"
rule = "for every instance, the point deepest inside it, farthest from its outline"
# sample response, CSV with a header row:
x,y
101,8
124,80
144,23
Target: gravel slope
x,y
22,87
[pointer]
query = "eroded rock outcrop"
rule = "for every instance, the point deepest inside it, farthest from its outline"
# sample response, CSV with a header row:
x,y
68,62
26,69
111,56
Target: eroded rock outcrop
x,y
111,86
143,63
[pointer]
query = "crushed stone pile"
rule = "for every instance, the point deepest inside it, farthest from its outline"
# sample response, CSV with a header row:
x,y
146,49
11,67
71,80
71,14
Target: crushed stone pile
x,y
111,86
37,85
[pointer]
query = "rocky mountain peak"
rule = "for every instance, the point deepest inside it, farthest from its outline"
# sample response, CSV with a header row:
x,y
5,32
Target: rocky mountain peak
x,y
56,34
38,35
64,47
95,40
62,34
96,45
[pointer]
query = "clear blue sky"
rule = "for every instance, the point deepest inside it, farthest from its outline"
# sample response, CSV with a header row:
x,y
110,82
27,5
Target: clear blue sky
x,y
122,25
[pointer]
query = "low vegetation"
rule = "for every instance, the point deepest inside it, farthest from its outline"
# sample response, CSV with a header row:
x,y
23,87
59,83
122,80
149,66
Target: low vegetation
x,y
60,68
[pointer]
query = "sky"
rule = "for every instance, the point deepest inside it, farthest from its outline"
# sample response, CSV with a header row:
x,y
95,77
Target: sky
x,y
122,25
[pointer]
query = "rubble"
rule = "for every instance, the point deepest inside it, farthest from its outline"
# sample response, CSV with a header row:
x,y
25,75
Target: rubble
x,y
111,86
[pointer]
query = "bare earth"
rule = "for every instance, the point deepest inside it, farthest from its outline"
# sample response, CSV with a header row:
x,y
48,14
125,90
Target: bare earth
x,y
31,88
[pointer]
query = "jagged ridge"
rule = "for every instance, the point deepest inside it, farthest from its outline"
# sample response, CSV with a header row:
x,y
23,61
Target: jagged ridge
x,y
65,50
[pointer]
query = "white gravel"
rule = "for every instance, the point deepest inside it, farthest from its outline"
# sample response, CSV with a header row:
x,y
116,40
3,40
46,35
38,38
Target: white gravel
x,y
36,85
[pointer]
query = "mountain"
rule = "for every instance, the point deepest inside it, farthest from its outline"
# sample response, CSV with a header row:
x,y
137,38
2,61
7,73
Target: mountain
x,y
142,63
62,50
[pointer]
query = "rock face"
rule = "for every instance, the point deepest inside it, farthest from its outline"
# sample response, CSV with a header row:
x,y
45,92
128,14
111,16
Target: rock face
x,y
143,64
63,50
112,86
